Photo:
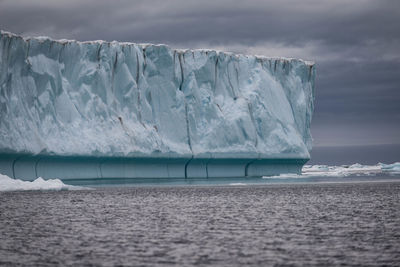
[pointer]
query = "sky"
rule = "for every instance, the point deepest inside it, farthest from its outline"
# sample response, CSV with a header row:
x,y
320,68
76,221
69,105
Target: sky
x,y
355,45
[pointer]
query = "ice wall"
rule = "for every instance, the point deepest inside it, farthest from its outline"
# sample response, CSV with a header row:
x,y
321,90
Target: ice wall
x,y
126,100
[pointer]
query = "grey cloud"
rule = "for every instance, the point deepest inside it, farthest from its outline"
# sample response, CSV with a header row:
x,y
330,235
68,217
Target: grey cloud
x,y
356,45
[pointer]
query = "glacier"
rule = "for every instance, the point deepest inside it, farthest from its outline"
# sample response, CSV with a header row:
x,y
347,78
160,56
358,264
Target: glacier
x,y
97,109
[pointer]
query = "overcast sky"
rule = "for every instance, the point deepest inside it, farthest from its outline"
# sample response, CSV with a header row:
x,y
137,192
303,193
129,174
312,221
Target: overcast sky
x,y
355,44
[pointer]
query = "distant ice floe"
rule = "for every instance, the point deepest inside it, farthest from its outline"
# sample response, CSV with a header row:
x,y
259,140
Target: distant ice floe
x,y
392,168
9,184
237,184
343,170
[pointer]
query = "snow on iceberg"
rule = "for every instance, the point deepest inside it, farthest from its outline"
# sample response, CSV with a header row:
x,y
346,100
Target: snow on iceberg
x,y
123,100
9,184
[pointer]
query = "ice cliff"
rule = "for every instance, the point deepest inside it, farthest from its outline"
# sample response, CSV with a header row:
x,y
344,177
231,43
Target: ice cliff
x,y
113,99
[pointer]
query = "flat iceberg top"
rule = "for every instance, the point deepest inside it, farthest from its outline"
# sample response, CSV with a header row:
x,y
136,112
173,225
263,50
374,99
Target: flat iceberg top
x,y
102,42
123,99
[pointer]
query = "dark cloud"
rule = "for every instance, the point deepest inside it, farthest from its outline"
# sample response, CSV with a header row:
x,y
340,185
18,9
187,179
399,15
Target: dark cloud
x,y
356,45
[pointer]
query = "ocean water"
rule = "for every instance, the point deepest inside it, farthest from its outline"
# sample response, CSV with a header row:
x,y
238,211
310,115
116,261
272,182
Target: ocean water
x,y
315,221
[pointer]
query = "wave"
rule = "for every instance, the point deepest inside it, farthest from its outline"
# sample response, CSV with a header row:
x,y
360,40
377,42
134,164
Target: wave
x,y
343,170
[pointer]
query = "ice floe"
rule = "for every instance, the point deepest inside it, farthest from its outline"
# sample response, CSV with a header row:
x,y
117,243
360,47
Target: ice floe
x,y
9,184
343,170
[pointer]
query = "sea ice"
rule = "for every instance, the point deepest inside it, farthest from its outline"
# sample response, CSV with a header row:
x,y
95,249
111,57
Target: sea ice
x,y
342,171
9,184
391,168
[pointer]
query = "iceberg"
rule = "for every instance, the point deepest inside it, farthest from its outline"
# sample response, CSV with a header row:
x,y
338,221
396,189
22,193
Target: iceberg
x,y
97,109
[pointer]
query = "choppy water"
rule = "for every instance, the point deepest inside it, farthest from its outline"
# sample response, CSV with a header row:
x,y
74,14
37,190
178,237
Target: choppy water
x,y
276,224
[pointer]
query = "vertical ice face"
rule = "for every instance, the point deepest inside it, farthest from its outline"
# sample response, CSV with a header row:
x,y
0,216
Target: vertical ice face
x,y
123,99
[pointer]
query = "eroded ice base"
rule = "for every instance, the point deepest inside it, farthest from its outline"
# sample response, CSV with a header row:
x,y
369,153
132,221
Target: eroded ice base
x,y
27,167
